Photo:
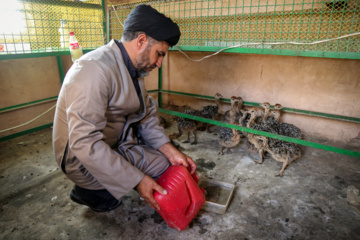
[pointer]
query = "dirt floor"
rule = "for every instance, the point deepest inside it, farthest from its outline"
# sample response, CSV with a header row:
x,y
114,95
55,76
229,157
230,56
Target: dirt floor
x,y
308,202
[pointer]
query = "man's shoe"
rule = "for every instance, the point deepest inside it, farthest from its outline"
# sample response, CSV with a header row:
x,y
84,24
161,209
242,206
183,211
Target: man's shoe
x,y
93,201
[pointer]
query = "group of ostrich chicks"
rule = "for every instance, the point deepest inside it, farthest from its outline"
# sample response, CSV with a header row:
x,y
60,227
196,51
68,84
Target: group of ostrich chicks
x,y
268,121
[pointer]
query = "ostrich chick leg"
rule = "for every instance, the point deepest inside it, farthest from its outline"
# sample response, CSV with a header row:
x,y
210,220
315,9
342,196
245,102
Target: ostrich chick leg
x,y
188,138
221,151
261,156
195,140
285,164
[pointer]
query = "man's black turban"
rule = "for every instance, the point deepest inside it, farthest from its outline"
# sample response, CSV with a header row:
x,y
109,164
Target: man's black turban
x,y
147,19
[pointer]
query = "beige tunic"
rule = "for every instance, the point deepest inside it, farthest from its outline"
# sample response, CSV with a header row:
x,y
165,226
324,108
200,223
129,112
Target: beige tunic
x,y
98,120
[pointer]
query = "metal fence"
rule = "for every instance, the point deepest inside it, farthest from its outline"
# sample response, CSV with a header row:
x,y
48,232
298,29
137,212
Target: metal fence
x,y
253,24
33,26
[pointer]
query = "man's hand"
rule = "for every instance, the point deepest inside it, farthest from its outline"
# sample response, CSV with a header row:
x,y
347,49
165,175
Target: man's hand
x,y
146,189
176,157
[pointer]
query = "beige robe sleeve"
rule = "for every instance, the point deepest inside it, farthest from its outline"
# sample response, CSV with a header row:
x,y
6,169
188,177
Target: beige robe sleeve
x,y
149,128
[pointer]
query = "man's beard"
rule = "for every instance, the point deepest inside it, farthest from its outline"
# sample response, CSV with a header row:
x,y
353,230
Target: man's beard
x,y
143,63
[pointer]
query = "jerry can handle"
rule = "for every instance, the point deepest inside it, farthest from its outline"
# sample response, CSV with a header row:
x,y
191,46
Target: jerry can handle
x,y
194,175
192,192
196,178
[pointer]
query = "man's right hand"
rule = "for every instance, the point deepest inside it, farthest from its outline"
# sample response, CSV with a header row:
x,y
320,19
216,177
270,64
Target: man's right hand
x,y
146,189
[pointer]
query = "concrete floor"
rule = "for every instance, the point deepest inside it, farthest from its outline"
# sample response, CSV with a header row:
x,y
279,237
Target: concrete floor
x,y
308,202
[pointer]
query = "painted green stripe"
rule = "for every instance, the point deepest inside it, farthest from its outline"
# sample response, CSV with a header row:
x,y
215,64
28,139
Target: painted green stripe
x,y
195,95
324,115
23,105
152,91
266,134
343,55
18,134
38,54
293,110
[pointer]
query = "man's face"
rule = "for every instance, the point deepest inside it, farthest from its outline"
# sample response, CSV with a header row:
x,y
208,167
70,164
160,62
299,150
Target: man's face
x,y
151,57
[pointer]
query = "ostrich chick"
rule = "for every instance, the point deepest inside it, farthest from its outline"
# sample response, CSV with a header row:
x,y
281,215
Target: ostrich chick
x,y
278,106
275,113
266,107
254,144
212,111
163,122
187,125
237,110
285,129
281,151
229,138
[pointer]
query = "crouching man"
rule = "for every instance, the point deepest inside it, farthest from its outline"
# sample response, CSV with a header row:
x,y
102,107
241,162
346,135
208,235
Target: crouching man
x,y
106,135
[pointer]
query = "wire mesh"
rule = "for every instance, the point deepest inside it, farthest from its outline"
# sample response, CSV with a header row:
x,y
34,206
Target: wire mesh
x,y
227,23
43,25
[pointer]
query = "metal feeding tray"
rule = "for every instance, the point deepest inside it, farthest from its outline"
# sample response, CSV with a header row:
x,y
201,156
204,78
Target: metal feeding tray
x,y
217,194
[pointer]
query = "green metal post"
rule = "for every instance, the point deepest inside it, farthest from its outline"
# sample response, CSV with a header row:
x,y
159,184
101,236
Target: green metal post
x,y
160,87
61,68
104,19
108,26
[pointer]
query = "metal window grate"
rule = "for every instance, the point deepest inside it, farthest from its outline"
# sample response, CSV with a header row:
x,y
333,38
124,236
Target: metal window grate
x,y
227,23
37,25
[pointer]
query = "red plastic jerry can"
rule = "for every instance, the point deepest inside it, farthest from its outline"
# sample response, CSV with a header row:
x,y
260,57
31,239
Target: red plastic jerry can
x,y
184,198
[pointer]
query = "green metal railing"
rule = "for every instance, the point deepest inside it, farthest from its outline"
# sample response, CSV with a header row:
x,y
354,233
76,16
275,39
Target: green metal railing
x,y
37,102
28,104
267,134
214,25
27,131
290,110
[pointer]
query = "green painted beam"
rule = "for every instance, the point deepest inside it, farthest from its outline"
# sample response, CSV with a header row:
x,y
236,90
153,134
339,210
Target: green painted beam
x,y
18,134
324,115
28,104
37,54
194,95
344,55
152,91
266,134
292,110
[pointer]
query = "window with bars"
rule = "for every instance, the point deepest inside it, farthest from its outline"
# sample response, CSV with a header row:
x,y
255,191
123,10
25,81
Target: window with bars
x,y
33,26
259,24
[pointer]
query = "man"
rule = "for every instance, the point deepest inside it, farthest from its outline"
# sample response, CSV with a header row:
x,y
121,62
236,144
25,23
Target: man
x,y
106,135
